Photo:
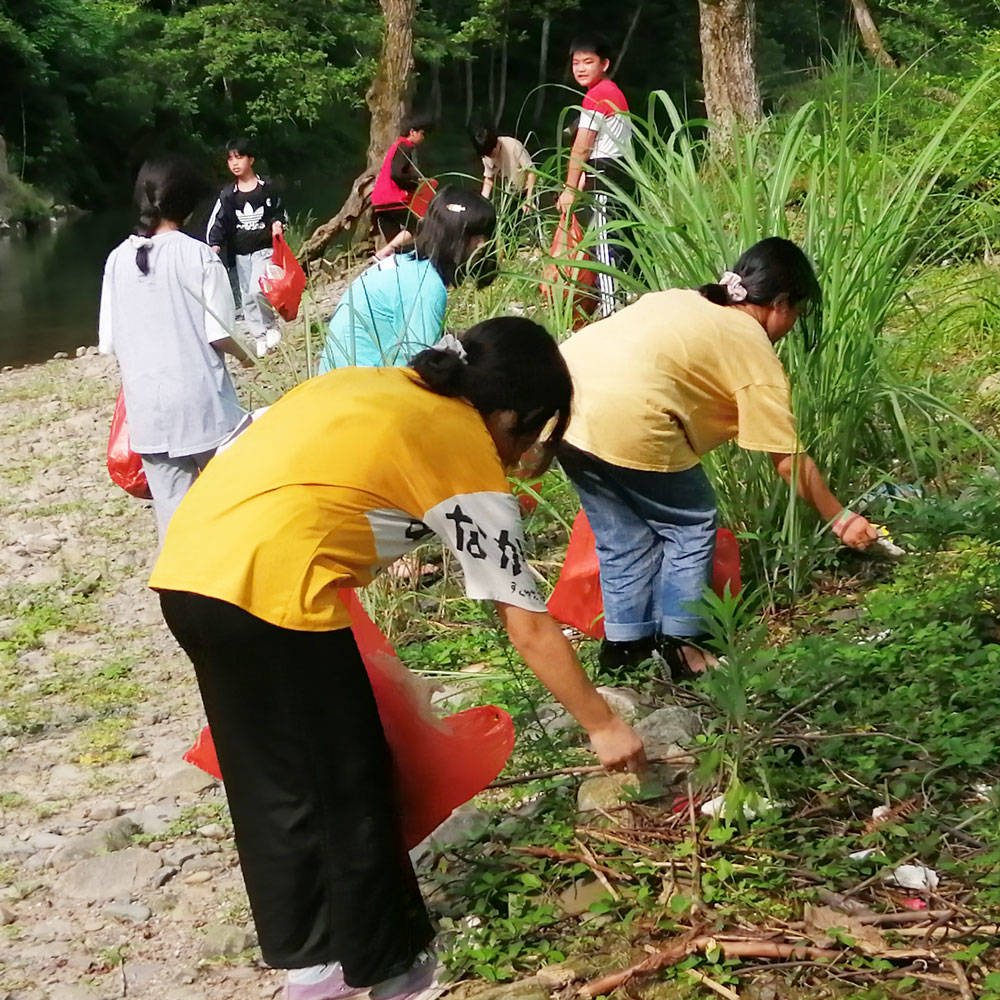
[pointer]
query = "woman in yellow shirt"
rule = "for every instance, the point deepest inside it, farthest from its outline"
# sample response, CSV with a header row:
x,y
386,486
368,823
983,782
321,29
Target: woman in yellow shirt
x,y
658,385
339,478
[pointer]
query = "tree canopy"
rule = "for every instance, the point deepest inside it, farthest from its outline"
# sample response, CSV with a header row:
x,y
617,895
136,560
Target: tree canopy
x,y
94,87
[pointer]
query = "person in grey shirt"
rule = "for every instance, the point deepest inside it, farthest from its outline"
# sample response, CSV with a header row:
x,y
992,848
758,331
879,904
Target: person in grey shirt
x,y
166,314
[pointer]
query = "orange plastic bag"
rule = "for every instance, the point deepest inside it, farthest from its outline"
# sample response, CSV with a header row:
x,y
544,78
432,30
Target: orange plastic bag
x,y
438,763
124,465
561,280
284,280
576,599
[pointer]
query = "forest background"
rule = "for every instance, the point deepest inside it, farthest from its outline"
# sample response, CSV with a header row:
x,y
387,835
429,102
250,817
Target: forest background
x,y
93,88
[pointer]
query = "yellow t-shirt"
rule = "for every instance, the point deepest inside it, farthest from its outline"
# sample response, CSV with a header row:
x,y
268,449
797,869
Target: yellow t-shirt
x,y
340,477
671,377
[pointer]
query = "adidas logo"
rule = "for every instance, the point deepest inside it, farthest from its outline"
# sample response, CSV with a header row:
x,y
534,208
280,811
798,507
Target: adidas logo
x,y
250,217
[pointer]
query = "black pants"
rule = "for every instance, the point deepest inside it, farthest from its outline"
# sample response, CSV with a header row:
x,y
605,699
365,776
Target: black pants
x,y
603,213
392,221
308,777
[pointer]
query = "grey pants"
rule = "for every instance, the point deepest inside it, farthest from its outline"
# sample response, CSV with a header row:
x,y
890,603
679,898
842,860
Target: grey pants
x,y
257,311
169,479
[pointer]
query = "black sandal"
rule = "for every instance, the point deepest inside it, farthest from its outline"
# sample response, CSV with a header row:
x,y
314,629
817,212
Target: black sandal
x,y
672,650
615,657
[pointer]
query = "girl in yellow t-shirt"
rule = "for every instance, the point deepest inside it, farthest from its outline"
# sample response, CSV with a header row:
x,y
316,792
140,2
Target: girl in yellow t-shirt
x,y
337,479
658,385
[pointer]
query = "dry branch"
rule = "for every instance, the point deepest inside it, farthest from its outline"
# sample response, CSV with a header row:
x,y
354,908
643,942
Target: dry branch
x,y
591,862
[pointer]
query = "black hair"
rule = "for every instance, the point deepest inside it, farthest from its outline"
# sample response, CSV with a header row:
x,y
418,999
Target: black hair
x,y
416,121
511,364
242,146
484,140
591,42
769,270
167,189
453,217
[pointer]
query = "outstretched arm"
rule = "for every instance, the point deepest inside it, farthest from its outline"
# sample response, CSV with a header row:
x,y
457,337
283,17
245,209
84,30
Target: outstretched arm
x,y
852,529
583,145
551,658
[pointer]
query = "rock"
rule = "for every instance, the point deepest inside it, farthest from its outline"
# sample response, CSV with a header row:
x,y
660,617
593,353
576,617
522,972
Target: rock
x,y
46,841
7,915
666,728
214,831
111,835
199,877
103,809
44,576
133,913
559,975
110,876
467,823
70,991
155,819
624,701
523,989
81,352
580,895
92,350
60,356
554,718
225,940
185,780
989,388
605,791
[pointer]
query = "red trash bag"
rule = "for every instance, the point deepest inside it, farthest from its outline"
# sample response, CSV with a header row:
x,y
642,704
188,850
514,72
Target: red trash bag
x,y
423,197
124,465
576,599
438,763
561,280
284,280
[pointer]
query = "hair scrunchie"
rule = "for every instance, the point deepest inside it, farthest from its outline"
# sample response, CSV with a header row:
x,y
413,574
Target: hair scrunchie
x,y
733,284
449,342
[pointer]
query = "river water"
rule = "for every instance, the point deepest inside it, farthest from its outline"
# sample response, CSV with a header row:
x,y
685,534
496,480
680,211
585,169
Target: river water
x,y
50,285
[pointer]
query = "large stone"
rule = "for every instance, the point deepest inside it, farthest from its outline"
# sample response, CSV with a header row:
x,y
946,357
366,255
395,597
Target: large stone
x,y
225,940
606,791
185,780
110,876
580,896
109,836
466,824
667,728
523,989
989,388
156,818
624,701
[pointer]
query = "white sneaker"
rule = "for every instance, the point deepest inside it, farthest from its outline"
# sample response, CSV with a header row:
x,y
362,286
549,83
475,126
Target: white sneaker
x,y
272,338
419,982
261,347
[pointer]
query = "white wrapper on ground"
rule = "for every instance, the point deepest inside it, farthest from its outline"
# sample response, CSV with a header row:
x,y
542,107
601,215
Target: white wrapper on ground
x,y
918,877
751,810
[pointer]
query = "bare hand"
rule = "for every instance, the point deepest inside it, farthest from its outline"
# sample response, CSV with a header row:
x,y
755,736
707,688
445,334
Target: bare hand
x,y
565,200
217,249
618,746
277,228
853,530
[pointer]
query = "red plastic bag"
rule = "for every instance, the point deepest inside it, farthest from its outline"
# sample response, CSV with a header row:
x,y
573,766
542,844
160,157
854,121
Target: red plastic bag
x,y
423,196
124,465
284,280
576,599
563,280
438,763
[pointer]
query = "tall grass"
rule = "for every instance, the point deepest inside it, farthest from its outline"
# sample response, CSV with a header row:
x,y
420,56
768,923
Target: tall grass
x,y
830,178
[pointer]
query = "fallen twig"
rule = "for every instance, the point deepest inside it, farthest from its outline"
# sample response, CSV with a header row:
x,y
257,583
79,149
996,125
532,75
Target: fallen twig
x,y
723,991
963,980
555,855
826,688
676,952
951,931
556,772
905,917
591,862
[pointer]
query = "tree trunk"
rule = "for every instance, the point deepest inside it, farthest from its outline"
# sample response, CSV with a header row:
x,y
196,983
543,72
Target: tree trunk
x,y
502,85
436,102
870,34
491,85
386,99
732,96
628,36
543,69
470,91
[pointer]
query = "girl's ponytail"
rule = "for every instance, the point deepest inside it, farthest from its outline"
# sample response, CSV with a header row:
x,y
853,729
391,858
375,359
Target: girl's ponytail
x,y
164,190
443,368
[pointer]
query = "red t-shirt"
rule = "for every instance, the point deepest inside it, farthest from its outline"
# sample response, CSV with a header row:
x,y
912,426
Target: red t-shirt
x,y
602,106
387,193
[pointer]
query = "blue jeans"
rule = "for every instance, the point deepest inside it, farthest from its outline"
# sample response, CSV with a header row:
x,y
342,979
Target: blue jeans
x,y
655,535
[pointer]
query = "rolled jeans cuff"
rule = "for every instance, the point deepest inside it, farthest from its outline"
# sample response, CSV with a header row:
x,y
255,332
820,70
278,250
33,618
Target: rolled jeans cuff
x,y
686,627
628,631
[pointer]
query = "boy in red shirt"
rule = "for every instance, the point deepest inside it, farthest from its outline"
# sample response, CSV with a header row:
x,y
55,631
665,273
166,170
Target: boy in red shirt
x,y
603,143
395,184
